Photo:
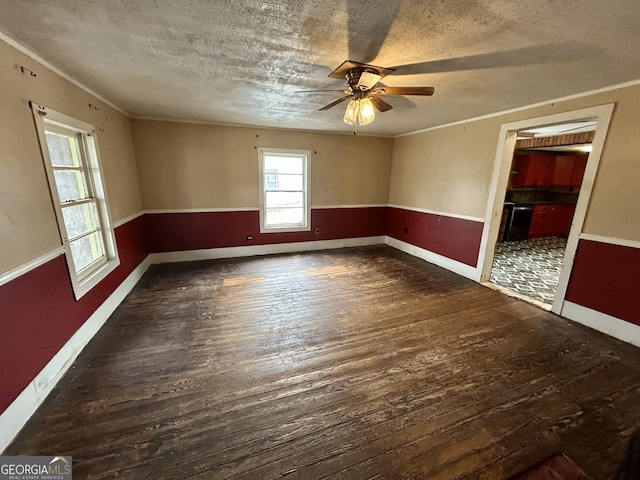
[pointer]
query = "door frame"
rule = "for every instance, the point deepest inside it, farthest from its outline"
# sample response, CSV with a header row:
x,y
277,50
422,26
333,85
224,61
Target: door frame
x,y
502,168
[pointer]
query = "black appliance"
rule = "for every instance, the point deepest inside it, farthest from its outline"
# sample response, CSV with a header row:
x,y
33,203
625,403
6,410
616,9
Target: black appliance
x,y
518,222
505,220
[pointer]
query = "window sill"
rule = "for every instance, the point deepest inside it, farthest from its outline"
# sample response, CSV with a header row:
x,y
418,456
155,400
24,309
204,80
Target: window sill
x,y
285,229
80,288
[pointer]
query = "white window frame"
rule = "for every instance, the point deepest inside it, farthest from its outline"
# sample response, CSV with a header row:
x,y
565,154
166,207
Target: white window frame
x,y
306,156
47,119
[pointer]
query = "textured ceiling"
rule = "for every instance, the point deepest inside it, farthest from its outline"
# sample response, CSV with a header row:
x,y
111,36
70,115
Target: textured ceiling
x,y
241,61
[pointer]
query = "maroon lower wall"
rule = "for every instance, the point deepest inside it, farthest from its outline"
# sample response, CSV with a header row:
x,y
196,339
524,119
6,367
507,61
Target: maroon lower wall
x,y
606,278
454,238
39,312
170,232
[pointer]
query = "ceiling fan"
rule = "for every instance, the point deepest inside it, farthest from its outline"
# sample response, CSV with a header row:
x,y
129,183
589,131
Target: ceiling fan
x,y
362,92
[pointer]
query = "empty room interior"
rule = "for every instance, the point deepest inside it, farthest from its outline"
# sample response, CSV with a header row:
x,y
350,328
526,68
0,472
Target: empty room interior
x,y
341,239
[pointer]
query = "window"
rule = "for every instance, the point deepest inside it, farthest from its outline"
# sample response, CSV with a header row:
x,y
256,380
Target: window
x,y
69,149
284,190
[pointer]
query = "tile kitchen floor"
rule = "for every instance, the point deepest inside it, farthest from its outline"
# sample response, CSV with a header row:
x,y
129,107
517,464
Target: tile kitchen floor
x,y
530,267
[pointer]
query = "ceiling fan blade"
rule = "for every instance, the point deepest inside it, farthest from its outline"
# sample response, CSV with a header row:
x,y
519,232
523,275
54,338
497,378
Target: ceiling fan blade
x,y
333,104
345,67
318,91
403,91
380,104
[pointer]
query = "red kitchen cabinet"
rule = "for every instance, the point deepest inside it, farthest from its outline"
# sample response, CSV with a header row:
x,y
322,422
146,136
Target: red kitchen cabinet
x,y
562,170
548,220
579,166
520,164
563,219
542,221
533,170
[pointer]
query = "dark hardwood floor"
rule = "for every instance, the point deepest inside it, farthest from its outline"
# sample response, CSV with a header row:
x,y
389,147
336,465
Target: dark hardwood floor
x,y
356,363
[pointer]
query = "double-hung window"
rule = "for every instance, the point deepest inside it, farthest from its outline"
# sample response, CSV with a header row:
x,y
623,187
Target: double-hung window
x,y
70,153
284,190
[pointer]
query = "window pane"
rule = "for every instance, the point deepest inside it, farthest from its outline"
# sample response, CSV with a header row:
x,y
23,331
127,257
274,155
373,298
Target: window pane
x,y
86,250
63,150
70,185
284,199
80,219
271,180
284,216
283,164
286,182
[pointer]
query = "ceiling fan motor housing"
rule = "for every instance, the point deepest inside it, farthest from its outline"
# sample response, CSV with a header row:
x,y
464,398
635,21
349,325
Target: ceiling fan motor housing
x,y
362,78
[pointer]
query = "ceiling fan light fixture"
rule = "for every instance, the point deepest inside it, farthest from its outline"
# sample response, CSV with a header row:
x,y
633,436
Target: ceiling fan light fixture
x,y
366,112
363,92
351,113
368,80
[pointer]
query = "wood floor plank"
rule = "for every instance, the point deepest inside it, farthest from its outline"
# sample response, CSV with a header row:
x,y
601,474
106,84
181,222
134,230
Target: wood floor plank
x,y
354,363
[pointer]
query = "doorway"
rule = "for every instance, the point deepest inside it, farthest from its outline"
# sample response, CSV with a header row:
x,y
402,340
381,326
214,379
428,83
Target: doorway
x,y
539,204
542,235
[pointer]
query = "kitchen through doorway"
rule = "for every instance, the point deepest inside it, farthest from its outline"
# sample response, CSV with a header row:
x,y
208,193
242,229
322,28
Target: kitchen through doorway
x,y
542,191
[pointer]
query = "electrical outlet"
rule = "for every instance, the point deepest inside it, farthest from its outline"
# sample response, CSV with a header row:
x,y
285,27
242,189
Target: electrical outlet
x,y
249,237
317,230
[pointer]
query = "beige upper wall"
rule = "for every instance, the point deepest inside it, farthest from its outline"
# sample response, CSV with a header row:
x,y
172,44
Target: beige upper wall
x,y
449,169
28,226
445,170
184,165
203,166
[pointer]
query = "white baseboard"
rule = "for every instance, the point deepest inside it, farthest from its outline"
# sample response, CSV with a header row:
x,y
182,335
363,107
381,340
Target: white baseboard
x,y
18,413
431,257
615,327
232,252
